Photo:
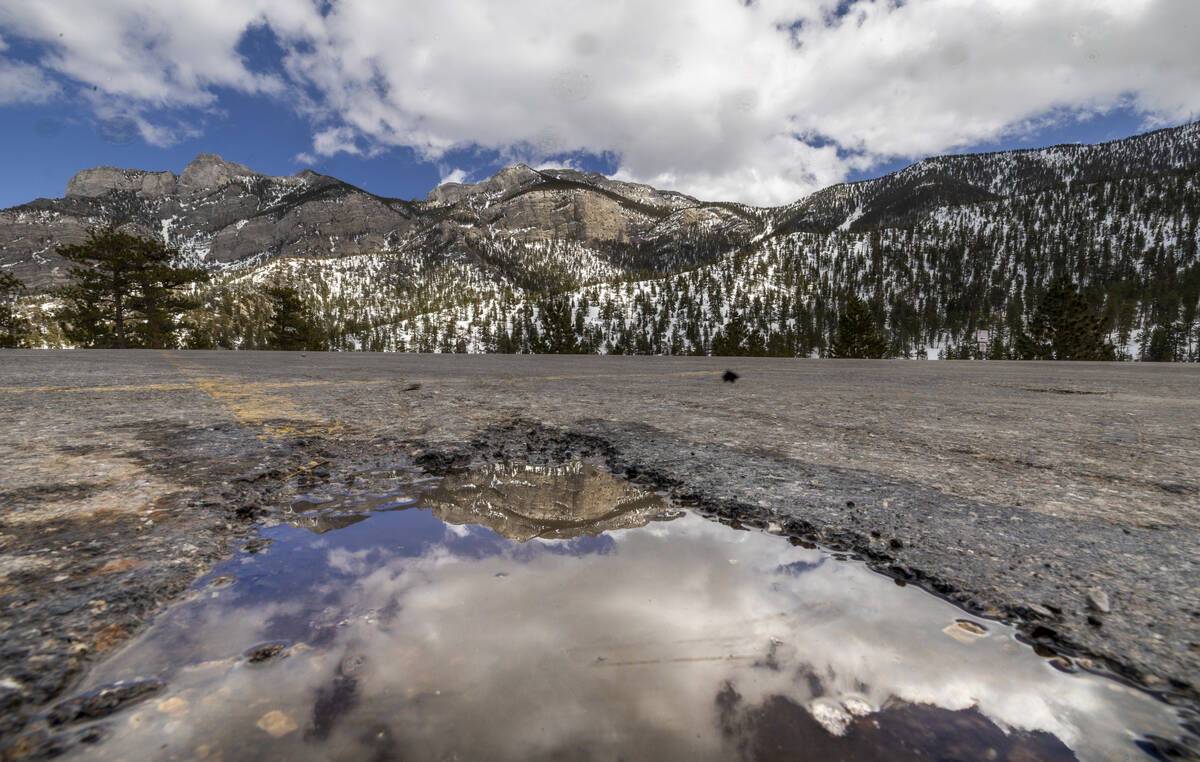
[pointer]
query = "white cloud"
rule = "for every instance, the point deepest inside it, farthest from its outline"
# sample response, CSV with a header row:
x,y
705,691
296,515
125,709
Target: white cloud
x,y
453,176
22,83
169,55
707,97
335,140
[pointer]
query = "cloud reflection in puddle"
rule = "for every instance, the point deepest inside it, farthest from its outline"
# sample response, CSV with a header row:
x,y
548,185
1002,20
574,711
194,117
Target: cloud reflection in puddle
x,y
679,639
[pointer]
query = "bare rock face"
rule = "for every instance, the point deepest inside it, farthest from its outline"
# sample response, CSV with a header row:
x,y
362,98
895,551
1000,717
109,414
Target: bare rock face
x,y
640,193
155,184
209,172
91,183
540,205
505,181
101,180
573,214
225,214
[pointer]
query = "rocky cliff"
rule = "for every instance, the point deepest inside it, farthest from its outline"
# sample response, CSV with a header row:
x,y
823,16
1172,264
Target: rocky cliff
x,y
223,214
216,212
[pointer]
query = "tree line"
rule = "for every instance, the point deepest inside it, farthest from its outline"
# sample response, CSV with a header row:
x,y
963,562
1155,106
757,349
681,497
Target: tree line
x,y
130,292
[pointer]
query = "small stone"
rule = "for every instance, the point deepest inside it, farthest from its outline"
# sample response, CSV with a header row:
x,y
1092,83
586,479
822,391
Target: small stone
x,y
225,580
962,634
265,652
972,627
773,527
1041,611
276,723
1098,600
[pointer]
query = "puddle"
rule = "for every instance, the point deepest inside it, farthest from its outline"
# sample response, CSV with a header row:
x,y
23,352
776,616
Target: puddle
x,y
558,613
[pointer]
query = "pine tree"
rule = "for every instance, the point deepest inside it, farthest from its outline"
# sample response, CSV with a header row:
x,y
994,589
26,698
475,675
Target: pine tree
x,y
1064,327
293,326
557,335
730,340
11,289
856,334
127,292
1162,347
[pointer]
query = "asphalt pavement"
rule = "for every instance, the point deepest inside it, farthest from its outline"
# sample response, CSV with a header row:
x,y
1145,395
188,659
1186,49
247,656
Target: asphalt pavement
x,y
1060,496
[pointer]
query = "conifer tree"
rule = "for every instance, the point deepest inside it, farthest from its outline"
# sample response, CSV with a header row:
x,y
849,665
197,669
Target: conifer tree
x,y
1162,346
557,335
1064,327
11,289
856,334
293,326
730,340
127,292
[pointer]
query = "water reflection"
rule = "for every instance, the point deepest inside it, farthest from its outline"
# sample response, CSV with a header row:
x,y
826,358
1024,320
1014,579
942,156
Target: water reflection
x,y
416,634
521,501
517,501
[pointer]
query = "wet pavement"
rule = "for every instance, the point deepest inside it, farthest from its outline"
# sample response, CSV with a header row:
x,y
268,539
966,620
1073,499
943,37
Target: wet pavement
x,y
519,611
1059,497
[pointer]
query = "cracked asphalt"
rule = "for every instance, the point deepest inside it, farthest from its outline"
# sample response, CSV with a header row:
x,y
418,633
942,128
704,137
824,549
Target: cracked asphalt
x,y
1061,496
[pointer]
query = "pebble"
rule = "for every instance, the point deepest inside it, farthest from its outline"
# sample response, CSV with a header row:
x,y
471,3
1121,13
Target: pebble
x,y
1040,610
265,652
1098,600
963,633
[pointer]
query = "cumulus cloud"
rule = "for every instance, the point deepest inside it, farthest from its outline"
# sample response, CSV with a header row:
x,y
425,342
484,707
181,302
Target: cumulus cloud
x,y
22,83
760,102
335,140
452,176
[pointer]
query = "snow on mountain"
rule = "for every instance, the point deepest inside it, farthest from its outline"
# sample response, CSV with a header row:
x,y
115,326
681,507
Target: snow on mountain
x,y
940,249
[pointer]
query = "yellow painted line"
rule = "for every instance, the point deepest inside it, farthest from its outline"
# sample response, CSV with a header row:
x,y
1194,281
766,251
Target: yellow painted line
x,y
259,385
130,388
180,387
251,406
278,416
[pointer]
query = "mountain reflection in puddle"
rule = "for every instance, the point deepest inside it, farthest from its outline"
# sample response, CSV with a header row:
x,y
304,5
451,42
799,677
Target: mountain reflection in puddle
x,y
425,634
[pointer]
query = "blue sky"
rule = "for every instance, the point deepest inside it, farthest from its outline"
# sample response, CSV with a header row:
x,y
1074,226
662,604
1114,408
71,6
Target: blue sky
x,y
760,102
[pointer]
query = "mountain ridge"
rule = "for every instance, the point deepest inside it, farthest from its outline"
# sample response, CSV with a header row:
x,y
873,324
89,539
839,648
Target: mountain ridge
x,y
157,203
939,249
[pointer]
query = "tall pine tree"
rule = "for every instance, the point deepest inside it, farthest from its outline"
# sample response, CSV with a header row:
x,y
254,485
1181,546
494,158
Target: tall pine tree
x,y
557,335
856,334
1064,327
292,325
127,292
11,289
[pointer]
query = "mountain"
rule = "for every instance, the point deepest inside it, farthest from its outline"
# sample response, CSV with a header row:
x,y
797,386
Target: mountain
x,y
559,260
216,212
225,215
906,196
